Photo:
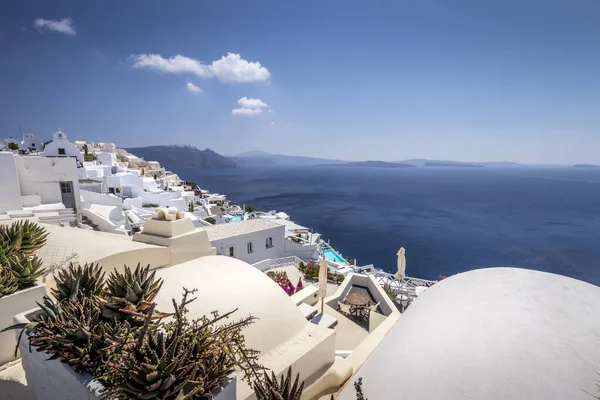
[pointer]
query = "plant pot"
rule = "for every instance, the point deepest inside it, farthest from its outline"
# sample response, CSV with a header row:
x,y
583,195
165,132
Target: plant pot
x,y
11,305
55,380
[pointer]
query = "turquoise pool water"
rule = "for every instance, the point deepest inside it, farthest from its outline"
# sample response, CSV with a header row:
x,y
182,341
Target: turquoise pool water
x,y
237,218
332,255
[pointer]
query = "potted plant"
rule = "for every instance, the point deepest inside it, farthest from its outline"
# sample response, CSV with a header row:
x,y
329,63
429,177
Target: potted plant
x,y
105,339
19,270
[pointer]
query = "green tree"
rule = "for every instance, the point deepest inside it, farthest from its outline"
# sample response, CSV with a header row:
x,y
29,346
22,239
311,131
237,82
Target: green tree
x,y
250,208
190,207
13,146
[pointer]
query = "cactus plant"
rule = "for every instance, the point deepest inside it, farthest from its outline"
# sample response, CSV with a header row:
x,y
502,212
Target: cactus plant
x,y
8,282
270,389
24,268
77,335
89,278
157,366
129,294
23,236
181,359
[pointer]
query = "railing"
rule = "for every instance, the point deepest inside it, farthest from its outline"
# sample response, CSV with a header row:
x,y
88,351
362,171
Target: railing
x,y
284,261
55,258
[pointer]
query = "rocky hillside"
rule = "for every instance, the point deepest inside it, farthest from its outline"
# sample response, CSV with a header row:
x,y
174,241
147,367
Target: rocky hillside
x,y
176,158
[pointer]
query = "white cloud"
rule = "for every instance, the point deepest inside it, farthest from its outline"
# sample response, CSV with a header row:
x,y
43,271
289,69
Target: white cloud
x,y
251,103
270,110
65,25
250,112
175,65
229,69
272,122
192,88
233,68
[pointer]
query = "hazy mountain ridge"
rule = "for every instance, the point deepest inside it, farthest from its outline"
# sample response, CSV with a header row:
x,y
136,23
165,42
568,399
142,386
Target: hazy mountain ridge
x,y
177,157
371,164
261,158
256,156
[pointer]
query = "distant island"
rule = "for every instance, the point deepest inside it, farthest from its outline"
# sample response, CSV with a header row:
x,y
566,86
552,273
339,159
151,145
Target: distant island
x,y
423,162
257,158
451,164
370,164
586,166
176,158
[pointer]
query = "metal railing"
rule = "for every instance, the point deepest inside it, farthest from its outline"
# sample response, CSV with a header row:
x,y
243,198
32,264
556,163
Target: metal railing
x,y
56,257
284,261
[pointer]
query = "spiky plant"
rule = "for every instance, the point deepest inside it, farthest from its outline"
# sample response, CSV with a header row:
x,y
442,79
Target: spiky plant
x,y
157,366
23,236
77,335
130,294
270,389
180,359
26,269
8,282
89,279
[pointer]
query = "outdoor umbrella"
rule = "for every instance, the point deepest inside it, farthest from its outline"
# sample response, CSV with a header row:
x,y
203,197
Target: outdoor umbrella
x,y
323,282
401,264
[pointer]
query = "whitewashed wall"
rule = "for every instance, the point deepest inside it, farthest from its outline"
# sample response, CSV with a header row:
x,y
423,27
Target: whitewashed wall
x,y
10,306
60,141
258,239
41,176
10,198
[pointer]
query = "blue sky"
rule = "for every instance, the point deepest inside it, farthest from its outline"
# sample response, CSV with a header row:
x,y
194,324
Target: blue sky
x,y
463,80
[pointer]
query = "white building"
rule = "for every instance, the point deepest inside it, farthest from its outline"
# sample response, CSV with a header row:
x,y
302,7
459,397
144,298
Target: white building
x,y
35,183
61,147
251,241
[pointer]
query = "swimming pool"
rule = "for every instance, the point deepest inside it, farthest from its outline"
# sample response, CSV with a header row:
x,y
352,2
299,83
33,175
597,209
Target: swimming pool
x,y
332,255
237,218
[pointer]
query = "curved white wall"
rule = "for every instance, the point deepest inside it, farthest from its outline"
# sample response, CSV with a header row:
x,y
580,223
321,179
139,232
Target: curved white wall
x,y
60,142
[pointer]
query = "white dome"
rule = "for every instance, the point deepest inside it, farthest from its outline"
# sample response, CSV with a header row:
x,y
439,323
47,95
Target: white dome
x,y
499,333
225,284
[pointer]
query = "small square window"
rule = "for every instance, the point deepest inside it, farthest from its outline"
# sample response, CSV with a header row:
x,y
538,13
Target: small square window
x,y
61,152
250,248
231,252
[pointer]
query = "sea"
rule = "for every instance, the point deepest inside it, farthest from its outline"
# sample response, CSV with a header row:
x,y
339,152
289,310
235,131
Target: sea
x,y
449,220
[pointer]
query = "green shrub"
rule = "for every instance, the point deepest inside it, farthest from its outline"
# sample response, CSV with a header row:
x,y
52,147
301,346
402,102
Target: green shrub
x,y
250,208
210,220
149,205
13,146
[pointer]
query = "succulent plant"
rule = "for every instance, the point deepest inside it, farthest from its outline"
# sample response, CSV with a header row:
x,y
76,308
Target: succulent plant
x,y
180,359
77,335
157,367
130,294
23,236
270,389
8,282
24,268
89,279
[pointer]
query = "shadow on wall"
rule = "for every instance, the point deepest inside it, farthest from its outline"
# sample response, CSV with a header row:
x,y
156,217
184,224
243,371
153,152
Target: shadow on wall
x,y
11,387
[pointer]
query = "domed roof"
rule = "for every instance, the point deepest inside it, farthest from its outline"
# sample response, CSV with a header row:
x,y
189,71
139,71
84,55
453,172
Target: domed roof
x,y
225,284
499,333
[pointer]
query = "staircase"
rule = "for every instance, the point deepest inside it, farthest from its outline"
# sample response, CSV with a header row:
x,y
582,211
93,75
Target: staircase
x,y
86,221
58,216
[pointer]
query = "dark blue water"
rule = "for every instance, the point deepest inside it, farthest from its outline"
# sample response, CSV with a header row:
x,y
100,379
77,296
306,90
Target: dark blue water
x,y
449,219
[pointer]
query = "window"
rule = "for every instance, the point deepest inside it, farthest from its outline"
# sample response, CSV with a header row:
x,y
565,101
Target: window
x,y
65,187
269,242
231,253
250,248
61,152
